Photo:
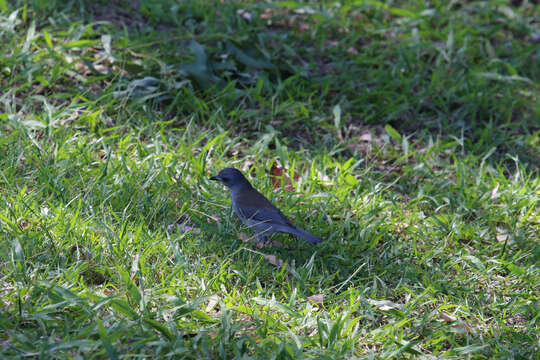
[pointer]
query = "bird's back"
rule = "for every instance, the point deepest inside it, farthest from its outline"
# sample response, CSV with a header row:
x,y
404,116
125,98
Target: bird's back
x,y
259,208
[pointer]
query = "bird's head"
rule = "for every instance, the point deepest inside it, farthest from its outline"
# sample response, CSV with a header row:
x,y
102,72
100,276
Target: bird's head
x,y
231,178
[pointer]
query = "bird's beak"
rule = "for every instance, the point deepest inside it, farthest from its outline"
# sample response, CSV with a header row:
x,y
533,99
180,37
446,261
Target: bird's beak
x,y
215,178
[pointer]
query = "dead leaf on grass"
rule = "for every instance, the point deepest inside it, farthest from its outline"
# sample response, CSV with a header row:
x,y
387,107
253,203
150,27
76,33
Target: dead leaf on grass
x,y
495,192
260,244
277,173
366,140
324,179
448,318
385,305
460,325
212,302
366,136
272,259
245,237
109,291
332,43
502,234
244,14
317,298
266,14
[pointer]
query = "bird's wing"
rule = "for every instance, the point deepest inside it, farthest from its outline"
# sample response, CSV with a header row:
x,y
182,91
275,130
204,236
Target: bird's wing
x,y
257,207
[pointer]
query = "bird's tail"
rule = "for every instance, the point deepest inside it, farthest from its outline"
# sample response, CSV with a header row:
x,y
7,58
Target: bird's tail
x,y
306,235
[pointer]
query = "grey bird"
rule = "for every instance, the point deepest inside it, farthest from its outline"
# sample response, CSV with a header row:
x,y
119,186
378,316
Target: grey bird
x,y
256,211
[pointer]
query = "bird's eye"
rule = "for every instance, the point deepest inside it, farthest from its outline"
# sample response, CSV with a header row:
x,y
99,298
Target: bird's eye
x,y
225,179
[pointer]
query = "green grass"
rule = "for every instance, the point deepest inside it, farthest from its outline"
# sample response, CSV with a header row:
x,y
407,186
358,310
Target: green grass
x,y
411,133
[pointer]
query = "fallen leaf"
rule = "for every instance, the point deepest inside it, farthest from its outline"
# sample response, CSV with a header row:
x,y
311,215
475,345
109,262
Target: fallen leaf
x,y
232,153
276,243
304,10
277,173
302,26
245,237
23,224
108,291
212,302
385,305
324,179
516,320
317,298
502,234
187,228
266,14
456,323
276,261
366,136
332,43
448,318
495,192
244,14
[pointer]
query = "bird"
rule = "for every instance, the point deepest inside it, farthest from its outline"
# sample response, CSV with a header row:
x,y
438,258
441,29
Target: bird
x,y
256,211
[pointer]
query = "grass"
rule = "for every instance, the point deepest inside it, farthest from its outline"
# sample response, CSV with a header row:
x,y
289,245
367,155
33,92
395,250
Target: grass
x,y
408,130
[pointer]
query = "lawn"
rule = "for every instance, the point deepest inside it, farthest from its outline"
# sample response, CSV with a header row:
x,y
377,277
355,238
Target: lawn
x,y
406,133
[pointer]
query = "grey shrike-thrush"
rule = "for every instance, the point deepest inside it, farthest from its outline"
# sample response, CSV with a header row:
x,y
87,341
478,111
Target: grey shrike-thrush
x,y
256,211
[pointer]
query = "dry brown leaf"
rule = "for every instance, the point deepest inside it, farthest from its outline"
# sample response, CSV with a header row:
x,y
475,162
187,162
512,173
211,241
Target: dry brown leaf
x,y
289,22
332,43
272,259
502,234
277,173
108,291
245,237
495,192
302,26
448,318
266,14
367,139
304,11
260,244
317,298
212,302
324,179
276,243
186,228
516,320
366,136
233,153
456,324
244,14
23,224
